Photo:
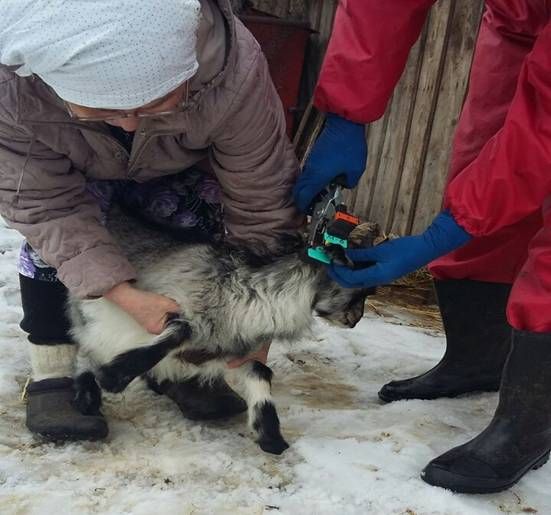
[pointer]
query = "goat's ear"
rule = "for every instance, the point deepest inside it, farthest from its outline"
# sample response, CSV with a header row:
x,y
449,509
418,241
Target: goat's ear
x,y
290,242
364,235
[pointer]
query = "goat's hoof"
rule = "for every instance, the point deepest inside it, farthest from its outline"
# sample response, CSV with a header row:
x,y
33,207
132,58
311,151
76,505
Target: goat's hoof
x,y
113,382
273,445
87,394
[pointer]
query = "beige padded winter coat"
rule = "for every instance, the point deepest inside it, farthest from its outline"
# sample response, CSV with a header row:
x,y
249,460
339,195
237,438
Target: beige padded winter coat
x,y
235,118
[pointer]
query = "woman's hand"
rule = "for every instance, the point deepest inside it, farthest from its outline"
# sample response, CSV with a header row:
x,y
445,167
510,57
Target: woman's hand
x,y
396,258
341,149
149,309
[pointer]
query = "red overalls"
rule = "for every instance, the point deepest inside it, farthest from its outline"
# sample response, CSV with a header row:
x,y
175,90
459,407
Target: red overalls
x,y
499,185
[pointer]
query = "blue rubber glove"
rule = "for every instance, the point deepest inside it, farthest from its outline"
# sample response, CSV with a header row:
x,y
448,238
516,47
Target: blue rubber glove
x,y
341,149
396,258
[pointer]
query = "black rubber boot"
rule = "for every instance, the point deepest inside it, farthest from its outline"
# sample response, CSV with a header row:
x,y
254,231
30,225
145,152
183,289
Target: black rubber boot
x,y
478,340
51,412
518,438
202,401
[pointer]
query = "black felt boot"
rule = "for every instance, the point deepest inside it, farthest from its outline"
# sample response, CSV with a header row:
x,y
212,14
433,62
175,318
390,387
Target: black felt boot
x,y
518,438
202,401
478,340
51,412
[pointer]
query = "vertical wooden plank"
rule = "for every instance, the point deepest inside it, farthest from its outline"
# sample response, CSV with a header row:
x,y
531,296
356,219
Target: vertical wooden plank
x,y
463,30
298,9
275,7
320,16
394,144
238,5
295,9
361,198
423,115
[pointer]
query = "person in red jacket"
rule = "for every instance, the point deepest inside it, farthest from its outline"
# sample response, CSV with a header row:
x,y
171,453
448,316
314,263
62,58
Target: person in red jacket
x,y
490,249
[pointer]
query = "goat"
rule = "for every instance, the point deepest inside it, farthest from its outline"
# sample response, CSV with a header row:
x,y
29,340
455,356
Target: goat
x,y
233,301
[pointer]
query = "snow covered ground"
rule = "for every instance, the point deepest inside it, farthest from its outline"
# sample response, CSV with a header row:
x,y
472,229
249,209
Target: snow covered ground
x,y
349,453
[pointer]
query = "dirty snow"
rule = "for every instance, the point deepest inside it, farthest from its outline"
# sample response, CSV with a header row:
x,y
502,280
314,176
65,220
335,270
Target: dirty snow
x,y
349,453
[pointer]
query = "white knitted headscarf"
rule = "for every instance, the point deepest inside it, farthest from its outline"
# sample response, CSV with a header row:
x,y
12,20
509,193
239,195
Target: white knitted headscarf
x,y
108,54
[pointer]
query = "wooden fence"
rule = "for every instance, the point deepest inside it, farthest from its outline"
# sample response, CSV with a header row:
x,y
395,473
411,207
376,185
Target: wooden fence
x,y
409,147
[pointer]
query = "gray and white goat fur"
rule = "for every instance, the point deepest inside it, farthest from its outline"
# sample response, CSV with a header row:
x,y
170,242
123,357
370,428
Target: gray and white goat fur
x,y
232,301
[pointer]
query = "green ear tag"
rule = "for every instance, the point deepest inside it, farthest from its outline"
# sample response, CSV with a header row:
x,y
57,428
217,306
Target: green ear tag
x,y
319,254
334,240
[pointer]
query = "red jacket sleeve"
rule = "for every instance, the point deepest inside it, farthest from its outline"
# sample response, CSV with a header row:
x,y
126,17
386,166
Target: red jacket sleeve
x,y
367,54
511,177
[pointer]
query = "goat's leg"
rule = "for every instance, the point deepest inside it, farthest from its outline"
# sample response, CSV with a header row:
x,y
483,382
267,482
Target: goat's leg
x,y
87,394
256,378
123,368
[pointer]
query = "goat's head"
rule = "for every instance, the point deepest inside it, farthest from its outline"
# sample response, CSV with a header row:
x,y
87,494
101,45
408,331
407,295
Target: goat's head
x,y
345,306
341,306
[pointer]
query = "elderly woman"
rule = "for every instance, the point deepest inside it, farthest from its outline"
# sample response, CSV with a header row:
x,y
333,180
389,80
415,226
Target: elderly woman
x,y
100,103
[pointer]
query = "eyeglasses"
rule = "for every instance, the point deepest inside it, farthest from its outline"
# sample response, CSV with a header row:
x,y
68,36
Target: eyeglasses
x,y
142,112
